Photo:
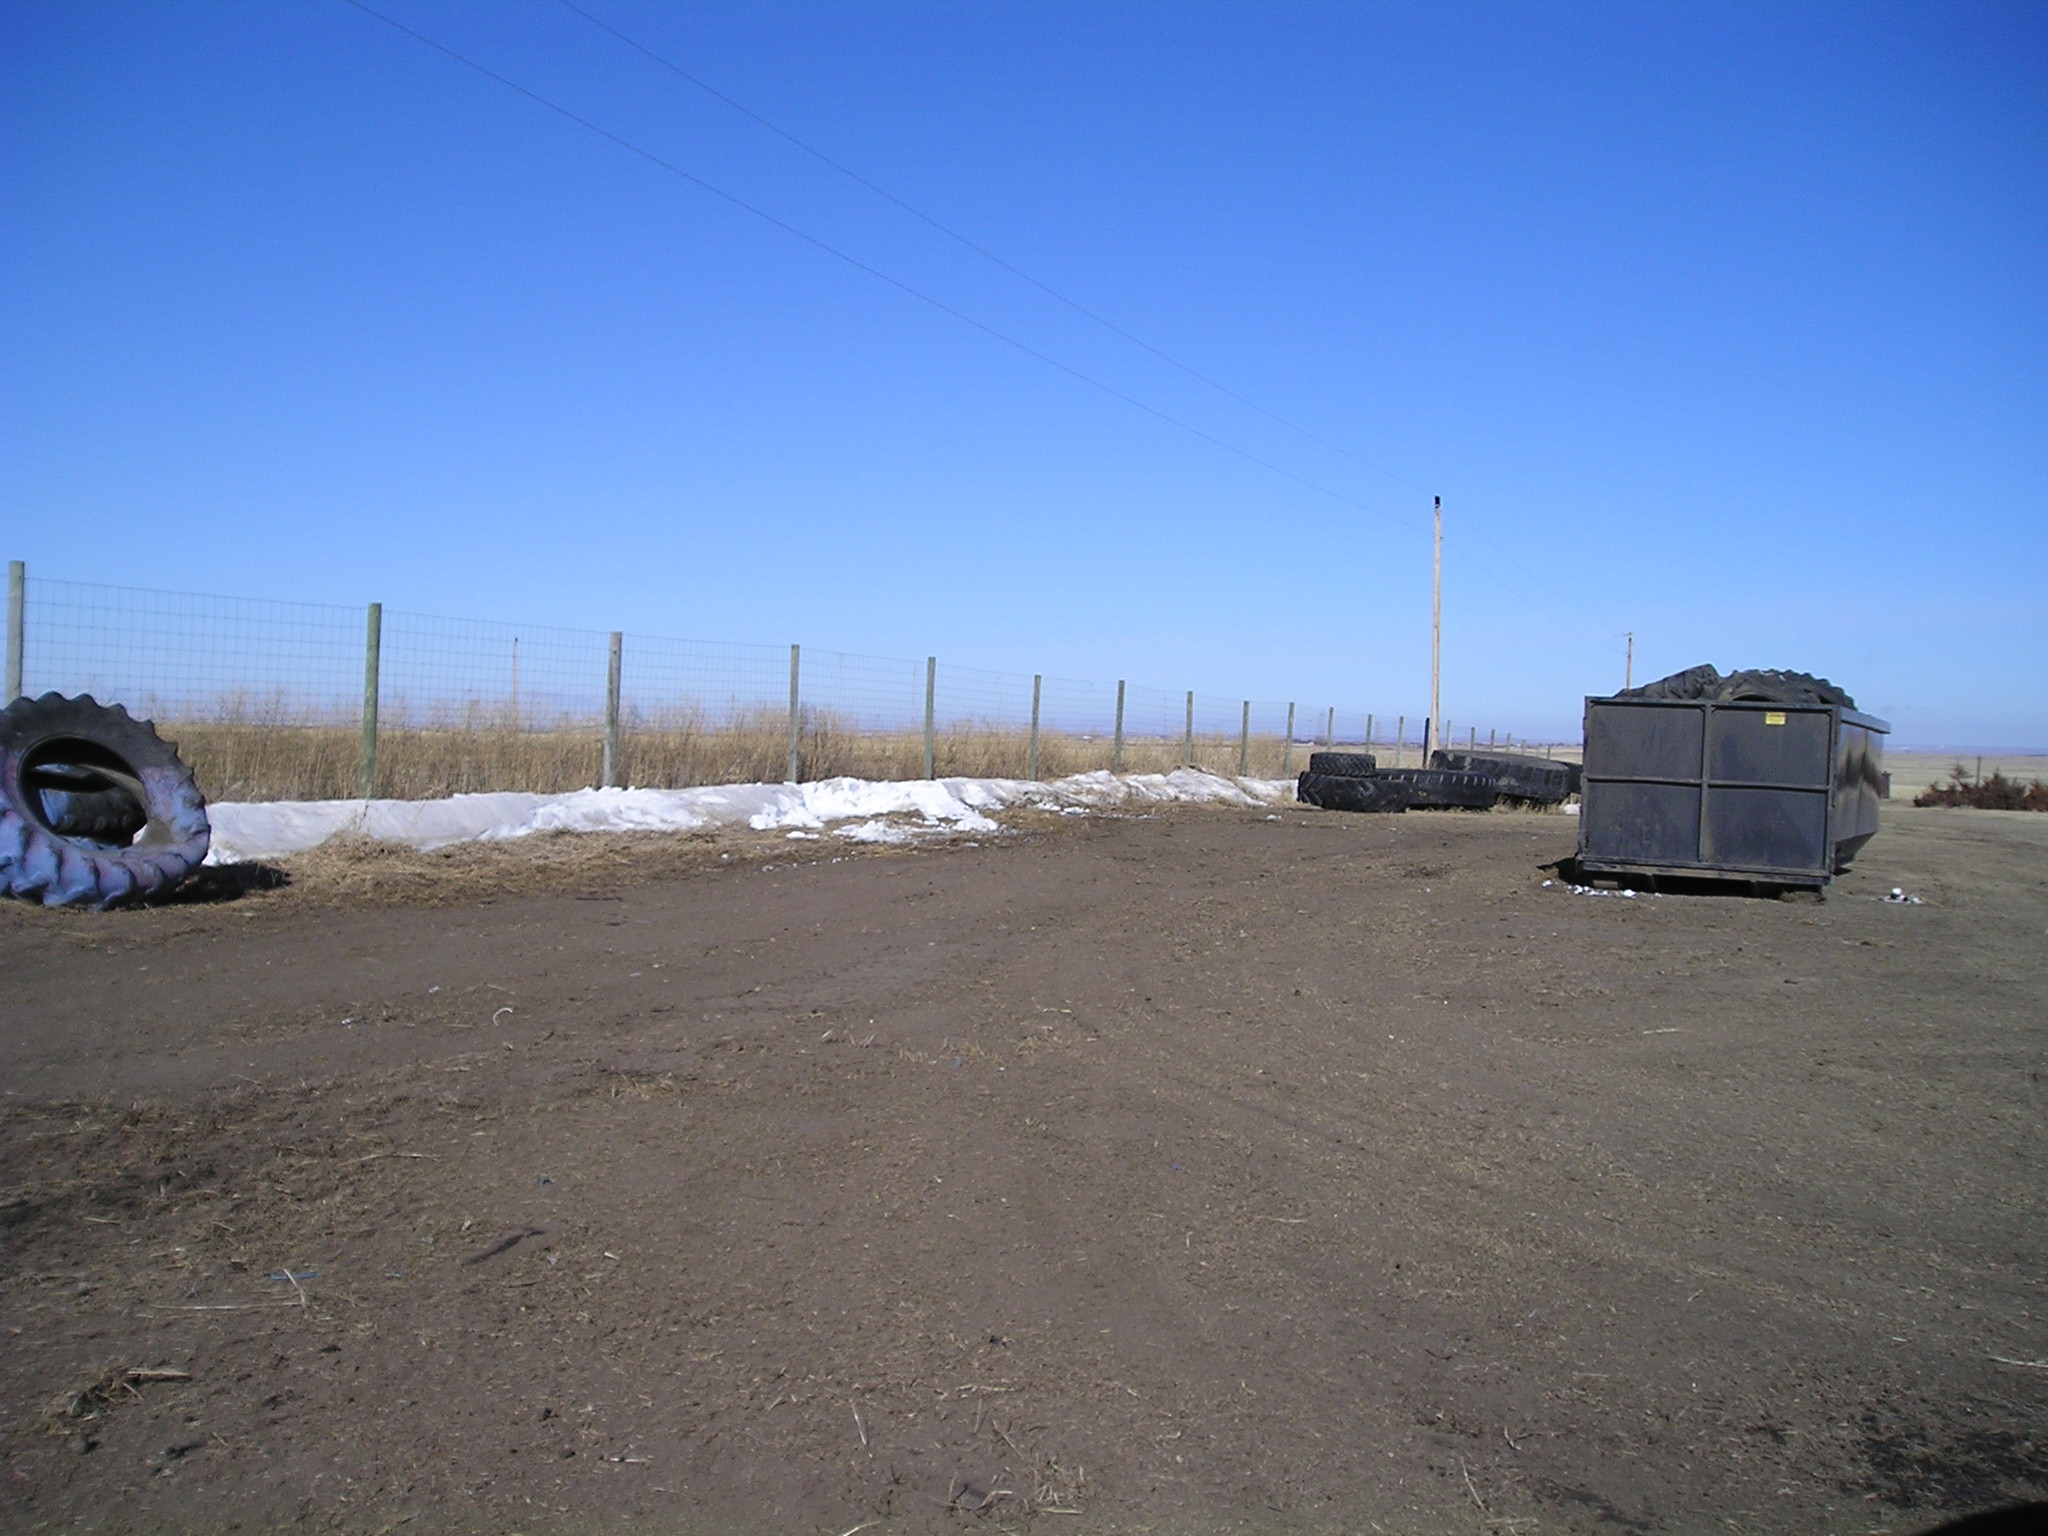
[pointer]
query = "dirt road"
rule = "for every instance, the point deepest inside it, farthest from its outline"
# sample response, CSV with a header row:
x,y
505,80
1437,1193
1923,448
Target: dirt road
x,y
1178,1173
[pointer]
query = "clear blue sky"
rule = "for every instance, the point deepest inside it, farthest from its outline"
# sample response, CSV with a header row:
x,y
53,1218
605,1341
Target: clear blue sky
x,y
1725,324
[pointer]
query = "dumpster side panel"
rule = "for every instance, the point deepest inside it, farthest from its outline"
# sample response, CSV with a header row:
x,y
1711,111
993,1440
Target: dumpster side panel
x,y
1767,830
1770,746
1639,823
1859,786
1645,741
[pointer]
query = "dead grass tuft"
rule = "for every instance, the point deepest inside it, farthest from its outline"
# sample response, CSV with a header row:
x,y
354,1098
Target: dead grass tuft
x,y
354,870
98,1394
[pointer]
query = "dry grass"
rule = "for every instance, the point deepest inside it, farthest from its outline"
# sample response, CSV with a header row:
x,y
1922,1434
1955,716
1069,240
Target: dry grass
x,y
355,871
243,759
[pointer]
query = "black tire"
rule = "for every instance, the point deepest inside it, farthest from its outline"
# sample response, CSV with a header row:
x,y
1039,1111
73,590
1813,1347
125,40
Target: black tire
x,y
1756,686
1347,765
82,811
1346,792
96,809
1516,775
1444,788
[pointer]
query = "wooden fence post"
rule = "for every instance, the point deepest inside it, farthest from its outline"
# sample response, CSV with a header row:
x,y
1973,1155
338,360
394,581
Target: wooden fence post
x,y
1116,761
1368,733
1330,729
796,716
17,626
1400,736
931,689
1037,686
611,713
1244,742
373,645
1287,751
1187,745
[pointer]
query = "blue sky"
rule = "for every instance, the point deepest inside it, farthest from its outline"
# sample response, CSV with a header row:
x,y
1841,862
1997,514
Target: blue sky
x,y
1727,325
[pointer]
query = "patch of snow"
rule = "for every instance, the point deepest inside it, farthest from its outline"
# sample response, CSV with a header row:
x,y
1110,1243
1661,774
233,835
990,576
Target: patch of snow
x,y
924,809
811,806
880,830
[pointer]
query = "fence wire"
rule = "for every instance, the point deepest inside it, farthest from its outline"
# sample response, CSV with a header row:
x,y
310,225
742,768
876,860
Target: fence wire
x,y
267,699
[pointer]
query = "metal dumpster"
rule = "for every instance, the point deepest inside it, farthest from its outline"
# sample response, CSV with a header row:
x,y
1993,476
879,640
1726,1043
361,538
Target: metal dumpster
x,y
1777,793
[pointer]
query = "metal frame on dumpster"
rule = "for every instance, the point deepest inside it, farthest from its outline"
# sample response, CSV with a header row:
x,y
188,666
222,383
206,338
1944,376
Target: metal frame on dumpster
x,y
1657,802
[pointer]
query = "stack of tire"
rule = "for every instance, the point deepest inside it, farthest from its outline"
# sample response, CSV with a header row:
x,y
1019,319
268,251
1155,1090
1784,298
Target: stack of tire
x,y
96,809
1350,781
1474,781
1523,779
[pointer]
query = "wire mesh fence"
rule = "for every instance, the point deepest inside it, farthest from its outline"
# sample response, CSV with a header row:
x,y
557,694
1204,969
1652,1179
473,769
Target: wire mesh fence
x,y
283,700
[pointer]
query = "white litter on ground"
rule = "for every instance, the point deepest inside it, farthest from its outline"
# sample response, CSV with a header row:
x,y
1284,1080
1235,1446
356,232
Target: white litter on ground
x,y
1594,890
858,810
1900,899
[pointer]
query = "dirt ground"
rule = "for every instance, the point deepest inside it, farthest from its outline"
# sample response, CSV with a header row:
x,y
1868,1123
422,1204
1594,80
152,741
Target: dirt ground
x,y
1206,1170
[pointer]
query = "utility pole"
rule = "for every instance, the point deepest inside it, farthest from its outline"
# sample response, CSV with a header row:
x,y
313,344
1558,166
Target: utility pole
x,y
1436,636
1628,676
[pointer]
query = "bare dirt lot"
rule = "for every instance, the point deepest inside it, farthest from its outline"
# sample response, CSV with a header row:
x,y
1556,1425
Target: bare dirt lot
x,y
1175,1173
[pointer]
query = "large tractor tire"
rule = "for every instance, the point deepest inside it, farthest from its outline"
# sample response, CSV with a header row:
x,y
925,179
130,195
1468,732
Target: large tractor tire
x,y
1344,792
1765,685
96,809
1518,776
1444,788
1349,765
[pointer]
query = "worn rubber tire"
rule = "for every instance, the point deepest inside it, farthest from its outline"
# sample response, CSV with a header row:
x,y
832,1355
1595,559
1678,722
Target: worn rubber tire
x,y
1517,775
1757,685
79,809
73,768
1347,765
1348,792
1444,789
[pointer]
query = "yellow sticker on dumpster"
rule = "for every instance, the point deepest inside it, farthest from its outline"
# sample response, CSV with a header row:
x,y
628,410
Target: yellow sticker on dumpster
x,y
1774,717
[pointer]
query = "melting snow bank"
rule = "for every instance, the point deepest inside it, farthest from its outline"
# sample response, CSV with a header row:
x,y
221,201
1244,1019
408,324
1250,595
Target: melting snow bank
x,y
863,810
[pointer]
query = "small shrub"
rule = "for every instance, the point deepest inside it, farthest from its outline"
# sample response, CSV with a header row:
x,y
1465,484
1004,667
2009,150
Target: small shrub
x,y
1996,793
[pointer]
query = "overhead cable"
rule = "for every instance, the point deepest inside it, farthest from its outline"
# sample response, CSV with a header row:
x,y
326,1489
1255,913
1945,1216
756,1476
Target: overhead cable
x,y
875,272
980,250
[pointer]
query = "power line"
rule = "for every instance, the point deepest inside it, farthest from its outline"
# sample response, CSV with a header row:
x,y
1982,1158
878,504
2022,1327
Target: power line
x,y
875,272
981,250
1044,287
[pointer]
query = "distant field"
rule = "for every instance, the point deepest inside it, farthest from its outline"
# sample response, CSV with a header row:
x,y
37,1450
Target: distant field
x,y
1913,771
